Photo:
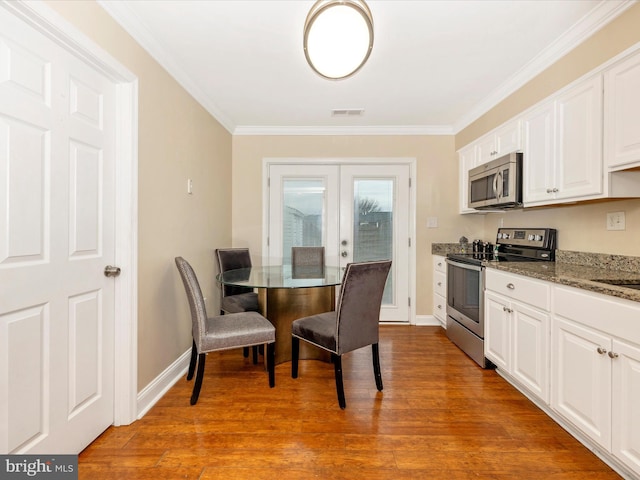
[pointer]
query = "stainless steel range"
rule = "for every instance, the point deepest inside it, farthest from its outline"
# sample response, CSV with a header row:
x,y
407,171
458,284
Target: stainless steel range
x,y
465,281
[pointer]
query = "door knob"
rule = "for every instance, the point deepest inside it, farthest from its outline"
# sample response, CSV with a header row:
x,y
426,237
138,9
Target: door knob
x,y
344,253
343,243
110,271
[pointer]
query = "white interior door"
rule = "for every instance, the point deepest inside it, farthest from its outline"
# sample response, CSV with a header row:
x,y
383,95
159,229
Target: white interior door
x,y
57,146
358,212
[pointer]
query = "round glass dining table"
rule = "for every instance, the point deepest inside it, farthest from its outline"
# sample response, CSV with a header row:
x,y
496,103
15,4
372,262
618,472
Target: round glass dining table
x,y
286,293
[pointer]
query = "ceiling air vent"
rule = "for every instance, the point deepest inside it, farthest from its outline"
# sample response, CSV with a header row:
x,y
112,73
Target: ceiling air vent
x,y
347,112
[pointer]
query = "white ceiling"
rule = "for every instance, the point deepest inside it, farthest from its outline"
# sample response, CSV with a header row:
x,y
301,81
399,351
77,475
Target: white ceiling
x,y
436,65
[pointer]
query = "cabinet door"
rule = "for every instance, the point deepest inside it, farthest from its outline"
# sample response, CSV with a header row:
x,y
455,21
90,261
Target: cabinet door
x,y
486,149
622,114
530,352
626,398
539,154
508,138
579,141
581,388
467,160
497,330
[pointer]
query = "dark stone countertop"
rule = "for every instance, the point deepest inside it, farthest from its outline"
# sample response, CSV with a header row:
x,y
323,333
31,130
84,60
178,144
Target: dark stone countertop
x,y
575,269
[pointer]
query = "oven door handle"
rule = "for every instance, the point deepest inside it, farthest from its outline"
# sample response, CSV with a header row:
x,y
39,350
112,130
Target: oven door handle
x,y
466,266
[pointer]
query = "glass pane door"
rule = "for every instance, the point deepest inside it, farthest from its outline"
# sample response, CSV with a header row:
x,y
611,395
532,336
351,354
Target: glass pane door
x,y
358,212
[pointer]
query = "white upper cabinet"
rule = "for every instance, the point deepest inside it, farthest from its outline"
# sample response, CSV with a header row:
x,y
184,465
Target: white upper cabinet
x,y
622,115
467,159
562,146
539,127
501,141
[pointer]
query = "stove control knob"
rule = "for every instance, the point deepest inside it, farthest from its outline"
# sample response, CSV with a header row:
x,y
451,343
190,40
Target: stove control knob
x,y
531,237
539,238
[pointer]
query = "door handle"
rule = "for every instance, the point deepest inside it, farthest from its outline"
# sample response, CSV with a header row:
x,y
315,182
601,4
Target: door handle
x,y
344,253
110,271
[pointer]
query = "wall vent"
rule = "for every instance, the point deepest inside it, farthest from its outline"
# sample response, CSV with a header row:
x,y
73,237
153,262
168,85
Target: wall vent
x,y
347,112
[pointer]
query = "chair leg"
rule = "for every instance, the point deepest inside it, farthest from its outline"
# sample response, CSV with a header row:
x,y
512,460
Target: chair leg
x,y
337,365
245,352
254,350
295,353
198,383
271,363
376,365
193,361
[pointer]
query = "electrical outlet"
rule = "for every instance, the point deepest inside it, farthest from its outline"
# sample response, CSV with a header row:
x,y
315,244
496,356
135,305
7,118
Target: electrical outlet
x,y
615,221
432,222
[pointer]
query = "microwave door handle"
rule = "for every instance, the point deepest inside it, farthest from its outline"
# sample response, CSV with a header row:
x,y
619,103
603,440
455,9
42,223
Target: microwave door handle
x,y
497,181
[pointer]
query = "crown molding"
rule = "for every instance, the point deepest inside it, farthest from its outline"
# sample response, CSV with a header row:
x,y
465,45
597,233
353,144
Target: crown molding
x,y
597,18
602,14
350,130
135,27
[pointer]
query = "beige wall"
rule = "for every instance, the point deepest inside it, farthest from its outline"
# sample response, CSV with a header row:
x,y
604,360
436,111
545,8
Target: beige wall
x,y
436,195
178,140
581,227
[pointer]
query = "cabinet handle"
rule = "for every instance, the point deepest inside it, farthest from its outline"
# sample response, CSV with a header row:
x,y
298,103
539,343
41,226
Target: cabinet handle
x,y
511,286
507,309
613,355
439,264
439,284
602,351
555,190
549,190
440,307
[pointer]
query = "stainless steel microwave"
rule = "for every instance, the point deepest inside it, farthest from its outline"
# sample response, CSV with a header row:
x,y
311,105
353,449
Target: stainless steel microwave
x,y
497,184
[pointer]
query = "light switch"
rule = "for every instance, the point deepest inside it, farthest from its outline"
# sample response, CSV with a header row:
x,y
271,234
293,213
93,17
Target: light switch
x,y
190,186
432,222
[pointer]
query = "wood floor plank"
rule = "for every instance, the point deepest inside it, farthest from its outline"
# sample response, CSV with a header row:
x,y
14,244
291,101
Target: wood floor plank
x,y
438,417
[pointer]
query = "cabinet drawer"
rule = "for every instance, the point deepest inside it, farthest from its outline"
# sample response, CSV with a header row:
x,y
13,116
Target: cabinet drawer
x,y
439,265
440,307
440,283
617,317
519,288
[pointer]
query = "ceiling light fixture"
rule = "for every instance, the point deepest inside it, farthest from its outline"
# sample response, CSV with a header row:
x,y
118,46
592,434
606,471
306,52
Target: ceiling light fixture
x,y
338,37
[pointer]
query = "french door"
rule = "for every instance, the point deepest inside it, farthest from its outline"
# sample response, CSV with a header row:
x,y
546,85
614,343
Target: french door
x,y
357,211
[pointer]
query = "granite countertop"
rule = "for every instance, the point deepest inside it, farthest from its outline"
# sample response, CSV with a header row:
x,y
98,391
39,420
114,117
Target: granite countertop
x,y
575,269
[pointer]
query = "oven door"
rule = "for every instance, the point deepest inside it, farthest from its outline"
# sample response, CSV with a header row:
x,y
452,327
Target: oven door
x,y
465,295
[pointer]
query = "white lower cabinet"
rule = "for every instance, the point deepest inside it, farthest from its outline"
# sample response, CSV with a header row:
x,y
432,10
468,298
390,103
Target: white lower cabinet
x,y
595,358
517,333
578,352
440,290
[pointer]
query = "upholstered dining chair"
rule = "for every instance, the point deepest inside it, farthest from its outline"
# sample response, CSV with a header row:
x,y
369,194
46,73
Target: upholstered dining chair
x,y
221,332
236,299
307,256
354,323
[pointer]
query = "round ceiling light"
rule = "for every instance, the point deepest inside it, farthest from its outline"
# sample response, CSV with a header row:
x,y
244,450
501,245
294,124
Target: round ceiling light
x,y
338,37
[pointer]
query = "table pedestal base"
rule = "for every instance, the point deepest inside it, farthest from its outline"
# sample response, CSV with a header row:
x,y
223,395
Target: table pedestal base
x,y
284,305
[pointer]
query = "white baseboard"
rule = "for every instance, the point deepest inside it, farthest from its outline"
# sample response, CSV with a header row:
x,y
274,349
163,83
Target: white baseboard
x,y
427,321
155,390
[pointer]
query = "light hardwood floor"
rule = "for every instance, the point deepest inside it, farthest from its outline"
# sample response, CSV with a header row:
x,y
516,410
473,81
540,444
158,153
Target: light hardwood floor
x,y
439,417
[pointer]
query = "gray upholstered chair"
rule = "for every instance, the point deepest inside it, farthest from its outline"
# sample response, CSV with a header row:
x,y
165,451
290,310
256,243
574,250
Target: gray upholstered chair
x,y
354,323
307,262
307,256
236,299
222,332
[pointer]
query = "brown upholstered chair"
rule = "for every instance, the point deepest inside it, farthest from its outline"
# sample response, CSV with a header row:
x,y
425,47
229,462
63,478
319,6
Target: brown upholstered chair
x,y
307,262
221,332
354,323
